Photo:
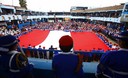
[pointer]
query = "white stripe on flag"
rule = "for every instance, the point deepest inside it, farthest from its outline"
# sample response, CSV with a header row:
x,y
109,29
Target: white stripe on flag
x,y
53,39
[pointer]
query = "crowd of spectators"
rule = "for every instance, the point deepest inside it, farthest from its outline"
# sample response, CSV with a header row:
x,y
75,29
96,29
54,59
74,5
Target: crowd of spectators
x,y
102,31
6,31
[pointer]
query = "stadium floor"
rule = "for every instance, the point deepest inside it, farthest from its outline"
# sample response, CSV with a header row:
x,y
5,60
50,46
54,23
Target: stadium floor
x,y
84,41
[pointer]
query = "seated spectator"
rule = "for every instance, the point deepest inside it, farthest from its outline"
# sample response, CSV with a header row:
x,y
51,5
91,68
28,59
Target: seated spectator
x,y
13,64
114,64
67,64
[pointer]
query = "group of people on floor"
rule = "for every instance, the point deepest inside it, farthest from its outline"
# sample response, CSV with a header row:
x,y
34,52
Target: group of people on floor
x,y
66,64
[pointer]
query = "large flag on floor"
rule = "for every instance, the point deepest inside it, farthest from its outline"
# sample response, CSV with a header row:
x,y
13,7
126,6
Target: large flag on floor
x,y
84,41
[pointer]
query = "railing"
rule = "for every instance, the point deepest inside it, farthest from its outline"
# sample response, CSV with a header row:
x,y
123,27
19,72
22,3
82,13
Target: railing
x,y
42,61
48,54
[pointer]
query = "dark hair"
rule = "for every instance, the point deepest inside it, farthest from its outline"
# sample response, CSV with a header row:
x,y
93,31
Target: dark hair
x,y
13,47
124,44
66,48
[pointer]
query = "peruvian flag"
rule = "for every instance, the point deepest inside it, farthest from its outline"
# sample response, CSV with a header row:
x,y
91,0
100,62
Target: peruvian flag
x,y
85,41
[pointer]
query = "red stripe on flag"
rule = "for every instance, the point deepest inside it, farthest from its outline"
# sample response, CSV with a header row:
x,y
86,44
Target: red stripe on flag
x,y
86,41
34,38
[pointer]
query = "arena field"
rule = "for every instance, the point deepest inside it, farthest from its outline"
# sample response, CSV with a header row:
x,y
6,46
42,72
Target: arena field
x,y
84,41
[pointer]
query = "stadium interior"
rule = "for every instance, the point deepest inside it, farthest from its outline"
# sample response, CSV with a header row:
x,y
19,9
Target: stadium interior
x,y
96,27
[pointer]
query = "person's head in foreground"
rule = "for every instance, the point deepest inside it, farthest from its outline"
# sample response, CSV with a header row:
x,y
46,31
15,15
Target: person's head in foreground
x,y
8,43
66,43
122,39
